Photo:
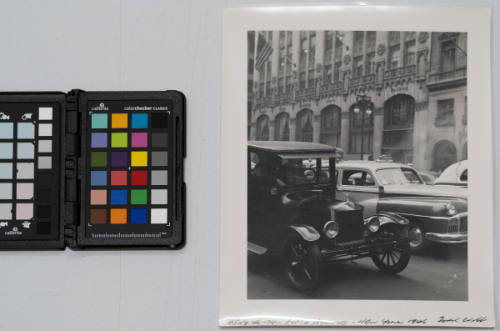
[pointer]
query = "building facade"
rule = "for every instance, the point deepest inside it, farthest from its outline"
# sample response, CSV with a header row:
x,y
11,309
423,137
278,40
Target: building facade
x,y
371,93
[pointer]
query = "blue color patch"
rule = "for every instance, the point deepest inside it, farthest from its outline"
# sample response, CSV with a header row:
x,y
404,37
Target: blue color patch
x,y
138,216
98,178
139,121
118,197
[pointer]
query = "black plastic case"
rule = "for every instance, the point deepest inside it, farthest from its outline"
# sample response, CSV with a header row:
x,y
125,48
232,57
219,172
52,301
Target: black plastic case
x,y
74,175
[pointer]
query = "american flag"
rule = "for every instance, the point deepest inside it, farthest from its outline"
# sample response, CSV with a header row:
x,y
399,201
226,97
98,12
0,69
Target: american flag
x,y
264,50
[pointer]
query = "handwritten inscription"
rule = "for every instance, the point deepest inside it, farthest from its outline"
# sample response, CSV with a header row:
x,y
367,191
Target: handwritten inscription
x,y
441,320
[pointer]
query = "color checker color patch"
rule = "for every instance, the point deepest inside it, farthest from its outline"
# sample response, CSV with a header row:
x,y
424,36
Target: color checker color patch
x,y
128,165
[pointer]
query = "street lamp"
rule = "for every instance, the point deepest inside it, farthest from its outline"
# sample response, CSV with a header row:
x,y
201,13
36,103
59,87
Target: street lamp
x,y
364,106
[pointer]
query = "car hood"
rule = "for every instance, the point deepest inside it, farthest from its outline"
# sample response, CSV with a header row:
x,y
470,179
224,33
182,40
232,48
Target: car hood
x,y
426,190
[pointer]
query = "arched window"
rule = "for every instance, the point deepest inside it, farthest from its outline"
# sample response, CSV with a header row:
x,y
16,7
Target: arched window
x,y
282,127
330,125
361,130
263,128
304,131
399,115
444,154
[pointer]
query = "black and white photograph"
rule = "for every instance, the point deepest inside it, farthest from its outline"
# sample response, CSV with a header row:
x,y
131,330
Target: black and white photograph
x,y
357,165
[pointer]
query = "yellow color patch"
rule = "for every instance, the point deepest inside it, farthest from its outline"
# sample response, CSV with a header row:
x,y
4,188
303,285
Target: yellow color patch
x,y
119,121
139,159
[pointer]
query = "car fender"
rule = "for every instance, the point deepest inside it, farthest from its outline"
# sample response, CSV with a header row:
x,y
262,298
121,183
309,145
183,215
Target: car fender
x,y
388,218
308,233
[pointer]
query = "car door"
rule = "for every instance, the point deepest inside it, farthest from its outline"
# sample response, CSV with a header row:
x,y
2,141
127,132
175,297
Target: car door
x,y
262,198
357,184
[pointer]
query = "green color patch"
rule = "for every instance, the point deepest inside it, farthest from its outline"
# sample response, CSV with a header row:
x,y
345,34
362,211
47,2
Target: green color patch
x,y
119,139
138,197
98,159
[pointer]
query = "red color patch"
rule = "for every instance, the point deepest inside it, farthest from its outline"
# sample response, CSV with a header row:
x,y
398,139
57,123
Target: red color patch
x,y
139,177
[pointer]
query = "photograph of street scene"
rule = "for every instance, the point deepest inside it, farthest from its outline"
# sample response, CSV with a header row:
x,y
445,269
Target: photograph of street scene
x,y
357,165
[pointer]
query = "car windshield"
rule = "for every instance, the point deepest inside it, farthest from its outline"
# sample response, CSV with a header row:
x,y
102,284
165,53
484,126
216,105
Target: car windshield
x,y
301,171
396,176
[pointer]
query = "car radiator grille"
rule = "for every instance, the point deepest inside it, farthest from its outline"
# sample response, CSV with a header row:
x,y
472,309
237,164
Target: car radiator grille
x,y
351,225
458,224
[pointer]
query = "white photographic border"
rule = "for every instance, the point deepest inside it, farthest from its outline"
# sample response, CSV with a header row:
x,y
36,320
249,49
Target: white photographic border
x,y
235,308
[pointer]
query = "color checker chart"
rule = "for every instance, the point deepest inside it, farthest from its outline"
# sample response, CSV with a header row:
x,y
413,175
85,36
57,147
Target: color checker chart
x,y
128,162
29,171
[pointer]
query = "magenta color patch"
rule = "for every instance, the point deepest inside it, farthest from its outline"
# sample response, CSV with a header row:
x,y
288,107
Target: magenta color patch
x,y
139,139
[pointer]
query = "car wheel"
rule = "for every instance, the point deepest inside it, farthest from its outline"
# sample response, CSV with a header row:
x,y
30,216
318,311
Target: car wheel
x,y
393,259
416,237
302,264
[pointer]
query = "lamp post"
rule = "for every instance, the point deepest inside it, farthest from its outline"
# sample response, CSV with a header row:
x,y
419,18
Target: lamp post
x,y
363,106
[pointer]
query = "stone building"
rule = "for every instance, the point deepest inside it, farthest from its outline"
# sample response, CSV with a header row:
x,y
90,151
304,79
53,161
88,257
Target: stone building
x,y
372,93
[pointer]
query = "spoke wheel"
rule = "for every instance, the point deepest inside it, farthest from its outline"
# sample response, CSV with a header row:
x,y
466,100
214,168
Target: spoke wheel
x,y
302,264
395,258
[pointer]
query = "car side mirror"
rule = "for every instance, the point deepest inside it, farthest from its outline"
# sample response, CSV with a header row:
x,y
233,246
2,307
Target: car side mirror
x,y
380,189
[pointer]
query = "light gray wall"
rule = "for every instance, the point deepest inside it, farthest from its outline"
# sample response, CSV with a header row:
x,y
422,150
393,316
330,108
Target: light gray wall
x,y
130,45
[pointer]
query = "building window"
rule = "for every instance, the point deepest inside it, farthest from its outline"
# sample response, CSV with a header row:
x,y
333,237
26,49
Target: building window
x,y
360,131
409,56
336,72
282,127
370,63
371,37
312,48
281,85
397,140
262,128
268,78
338,49
394,37
445,112
304,129
330,125
394,54
358,42
310,83
444,154
448,49
302,80
357,66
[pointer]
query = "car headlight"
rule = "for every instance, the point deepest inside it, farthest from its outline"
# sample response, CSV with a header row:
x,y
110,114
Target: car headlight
x,y
331,229
450,209
374,224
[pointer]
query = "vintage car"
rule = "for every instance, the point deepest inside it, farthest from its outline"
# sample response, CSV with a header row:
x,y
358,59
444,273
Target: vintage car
x,y
437,213
293,215
455,174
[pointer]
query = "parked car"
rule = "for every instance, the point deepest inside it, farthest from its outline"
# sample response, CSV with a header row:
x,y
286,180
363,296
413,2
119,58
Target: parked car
x,y
428,177
437,213
455,174
293,214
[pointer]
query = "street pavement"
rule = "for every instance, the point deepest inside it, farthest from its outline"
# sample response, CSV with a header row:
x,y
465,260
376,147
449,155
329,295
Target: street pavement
x,y
438,273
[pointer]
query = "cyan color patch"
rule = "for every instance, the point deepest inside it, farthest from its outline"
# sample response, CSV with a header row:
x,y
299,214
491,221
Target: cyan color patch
x,y
98,178
99,121
6,130
139,121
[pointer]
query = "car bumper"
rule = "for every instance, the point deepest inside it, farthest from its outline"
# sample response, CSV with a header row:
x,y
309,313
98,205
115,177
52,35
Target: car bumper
x,y
446,238
356,250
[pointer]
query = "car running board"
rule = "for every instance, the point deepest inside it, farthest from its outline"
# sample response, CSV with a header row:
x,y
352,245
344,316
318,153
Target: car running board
x,y
256,249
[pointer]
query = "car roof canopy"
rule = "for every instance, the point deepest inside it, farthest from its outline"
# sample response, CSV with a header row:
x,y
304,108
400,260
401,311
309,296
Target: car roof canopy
x,y
294,149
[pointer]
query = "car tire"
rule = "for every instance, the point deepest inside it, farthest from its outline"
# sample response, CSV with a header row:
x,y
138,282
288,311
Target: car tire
x,y
302,264
392,260
416,236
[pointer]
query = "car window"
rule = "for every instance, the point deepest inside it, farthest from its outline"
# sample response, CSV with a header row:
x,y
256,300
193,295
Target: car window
x,y
357,178
411,175
463,176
